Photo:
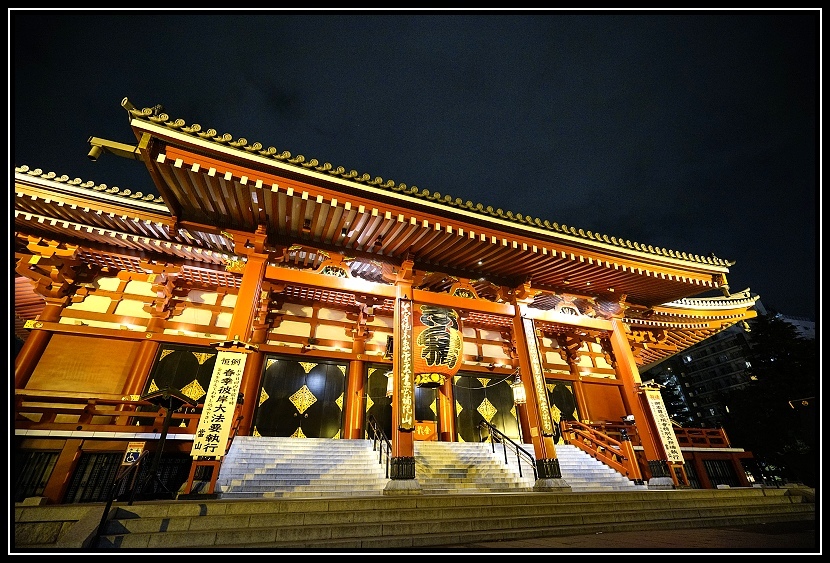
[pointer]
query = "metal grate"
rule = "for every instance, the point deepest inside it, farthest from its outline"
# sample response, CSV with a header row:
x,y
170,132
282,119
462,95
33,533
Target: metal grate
x,y
691,475
96,472
32,470
721,472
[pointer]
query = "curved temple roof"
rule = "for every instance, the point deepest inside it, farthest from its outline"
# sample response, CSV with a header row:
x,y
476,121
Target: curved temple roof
x,y
211,184
157,116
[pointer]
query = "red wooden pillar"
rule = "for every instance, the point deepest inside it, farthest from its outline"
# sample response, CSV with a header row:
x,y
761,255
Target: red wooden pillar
x,y
537,409
29,356
251,378
141,368
581,403
627,372
702,475
402,464
446,412
524,425
36,343
65,466
241,325
354,413
247,300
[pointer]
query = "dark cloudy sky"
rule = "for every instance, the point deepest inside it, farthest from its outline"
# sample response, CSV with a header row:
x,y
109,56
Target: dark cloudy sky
x,y
692,131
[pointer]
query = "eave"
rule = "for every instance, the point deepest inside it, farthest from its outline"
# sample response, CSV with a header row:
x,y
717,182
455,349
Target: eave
x,y
216,187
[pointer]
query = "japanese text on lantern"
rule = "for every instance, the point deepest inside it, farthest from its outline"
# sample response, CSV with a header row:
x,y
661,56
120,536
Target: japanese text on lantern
x,y
438,347
220,402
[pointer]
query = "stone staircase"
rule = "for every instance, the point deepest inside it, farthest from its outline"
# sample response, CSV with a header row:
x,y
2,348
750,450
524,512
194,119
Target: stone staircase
x,y
464,467
581,471
271,467
384,522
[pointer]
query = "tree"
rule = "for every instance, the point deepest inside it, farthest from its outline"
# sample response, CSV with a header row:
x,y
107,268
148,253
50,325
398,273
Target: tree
x,y
774,416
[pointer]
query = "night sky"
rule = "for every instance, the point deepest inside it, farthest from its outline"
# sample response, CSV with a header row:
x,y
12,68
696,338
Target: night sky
x,y
695,131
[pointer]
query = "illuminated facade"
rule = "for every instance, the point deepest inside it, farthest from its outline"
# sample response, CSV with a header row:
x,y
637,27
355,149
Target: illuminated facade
x,y
336,286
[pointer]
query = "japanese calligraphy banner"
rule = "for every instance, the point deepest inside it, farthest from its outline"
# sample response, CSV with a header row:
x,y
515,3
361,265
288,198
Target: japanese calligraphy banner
x,y
404,402
538,375
664,425
220,402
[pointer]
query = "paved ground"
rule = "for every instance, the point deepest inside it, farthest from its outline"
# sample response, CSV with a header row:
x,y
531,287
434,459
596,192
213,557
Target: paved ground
x,y
779,538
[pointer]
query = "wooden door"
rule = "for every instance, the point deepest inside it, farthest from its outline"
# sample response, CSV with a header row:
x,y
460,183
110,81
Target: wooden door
x,y
301,399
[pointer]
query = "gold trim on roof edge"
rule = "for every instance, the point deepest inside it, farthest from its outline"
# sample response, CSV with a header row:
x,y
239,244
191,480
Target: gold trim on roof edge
x,y
739,299
157,115
77,182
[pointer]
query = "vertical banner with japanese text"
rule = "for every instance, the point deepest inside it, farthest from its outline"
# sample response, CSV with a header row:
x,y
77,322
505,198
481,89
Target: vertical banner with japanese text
x,y
664,425
220,402
538,376
404,362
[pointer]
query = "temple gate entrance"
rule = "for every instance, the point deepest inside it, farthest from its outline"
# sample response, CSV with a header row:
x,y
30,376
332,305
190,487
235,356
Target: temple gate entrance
x,y
487,398
301,399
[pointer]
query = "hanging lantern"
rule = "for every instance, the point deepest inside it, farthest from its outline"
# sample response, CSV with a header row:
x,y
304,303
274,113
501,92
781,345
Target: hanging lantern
x,y
390,384
519,395
437,344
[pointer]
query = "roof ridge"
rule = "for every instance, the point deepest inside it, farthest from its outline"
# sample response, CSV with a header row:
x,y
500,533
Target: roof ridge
x,y
157,115
77,182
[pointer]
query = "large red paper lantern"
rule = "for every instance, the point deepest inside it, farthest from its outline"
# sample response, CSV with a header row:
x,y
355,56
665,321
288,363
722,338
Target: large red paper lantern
x,y
437,345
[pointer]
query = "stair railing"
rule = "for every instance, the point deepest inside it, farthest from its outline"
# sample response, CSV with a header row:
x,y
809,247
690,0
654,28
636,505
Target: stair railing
x,y
380,443
496,435
125,471
618,455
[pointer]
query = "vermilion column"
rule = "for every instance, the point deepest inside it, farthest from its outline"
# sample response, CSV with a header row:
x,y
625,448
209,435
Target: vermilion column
x,y
569,350
249,387
141,368
143,365
353,409
354,401
66,464
581,403
524,423
29,355
35,344
537,409
627,372
240,328
402,465
247,300
446,418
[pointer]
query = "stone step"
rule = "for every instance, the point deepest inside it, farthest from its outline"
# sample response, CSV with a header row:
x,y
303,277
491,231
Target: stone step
x,y
277,467
295,488
388,522
289,465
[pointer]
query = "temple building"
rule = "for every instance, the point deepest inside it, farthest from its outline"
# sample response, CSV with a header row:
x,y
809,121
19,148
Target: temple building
x,y
272,294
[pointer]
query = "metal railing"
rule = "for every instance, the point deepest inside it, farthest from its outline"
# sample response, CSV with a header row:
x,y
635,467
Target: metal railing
x,y
380,443
496,435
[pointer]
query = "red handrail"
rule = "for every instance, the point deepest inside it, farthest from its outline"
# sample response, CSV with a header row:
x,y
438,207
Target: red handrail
x,y
69,413
617,454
